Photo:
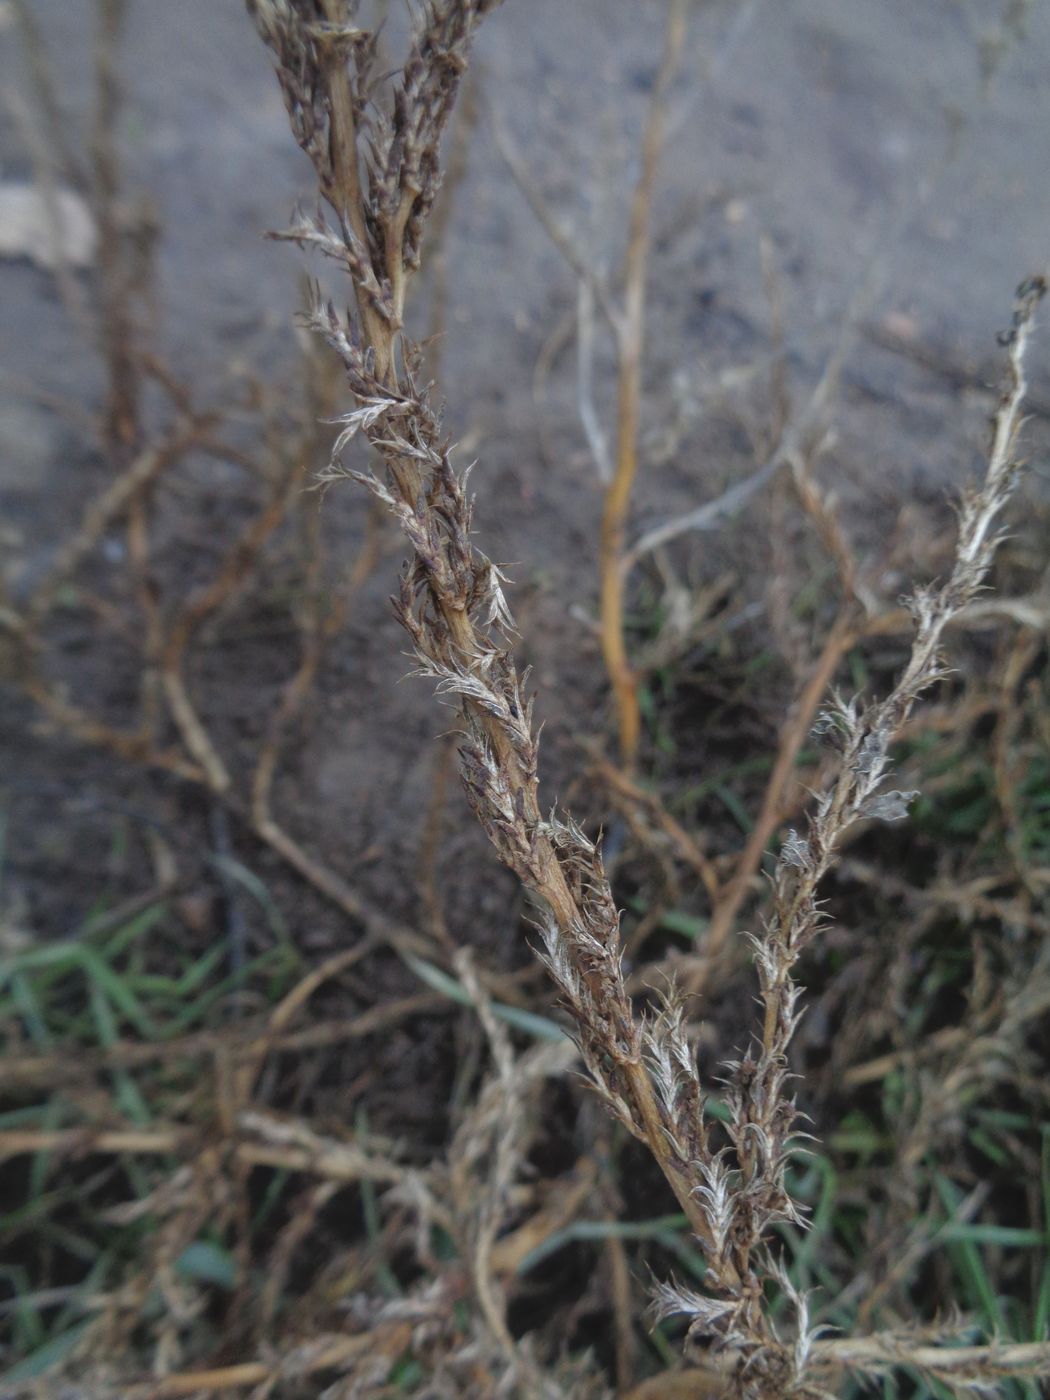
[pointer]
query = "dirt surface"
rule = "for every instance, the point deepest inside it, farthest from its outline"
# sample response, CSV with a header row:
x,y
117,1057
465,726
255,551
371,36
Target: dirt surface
x,y
833,131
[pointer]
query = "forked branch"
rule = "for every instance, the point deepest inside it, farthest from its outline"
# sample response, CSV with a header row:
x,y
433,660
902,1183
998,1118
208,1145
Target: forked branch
x,y
380,184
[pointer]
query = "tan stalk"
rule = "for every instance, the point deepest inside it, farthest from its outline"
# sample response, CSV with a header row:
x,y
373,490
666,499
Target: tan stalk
x,y
630,340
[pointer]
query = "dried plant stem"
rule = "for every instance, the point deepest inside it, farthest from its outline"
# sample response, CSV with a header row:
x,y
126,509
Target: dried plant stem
x,y
319,1354
975,1369
762,1114
480,1214
53,1069
444,767
628,327
630,346
142,1142
132,745
461,590
262,1141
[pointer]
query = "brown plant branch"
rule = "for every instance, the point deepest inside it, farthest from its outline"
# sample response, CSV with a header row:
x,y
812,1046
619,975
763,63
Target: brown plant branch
x,y
461,601
452,605
631,340
628,326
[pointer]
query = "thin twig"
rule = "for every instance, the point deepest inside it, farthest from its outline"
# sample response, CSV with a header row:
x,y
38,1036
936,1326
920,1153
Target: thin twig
x,y
618,495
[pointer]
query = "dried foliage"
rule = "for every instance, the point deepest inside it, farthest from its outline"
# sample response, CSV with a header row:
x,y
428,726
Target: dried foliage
x,y
453,606
423,1294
